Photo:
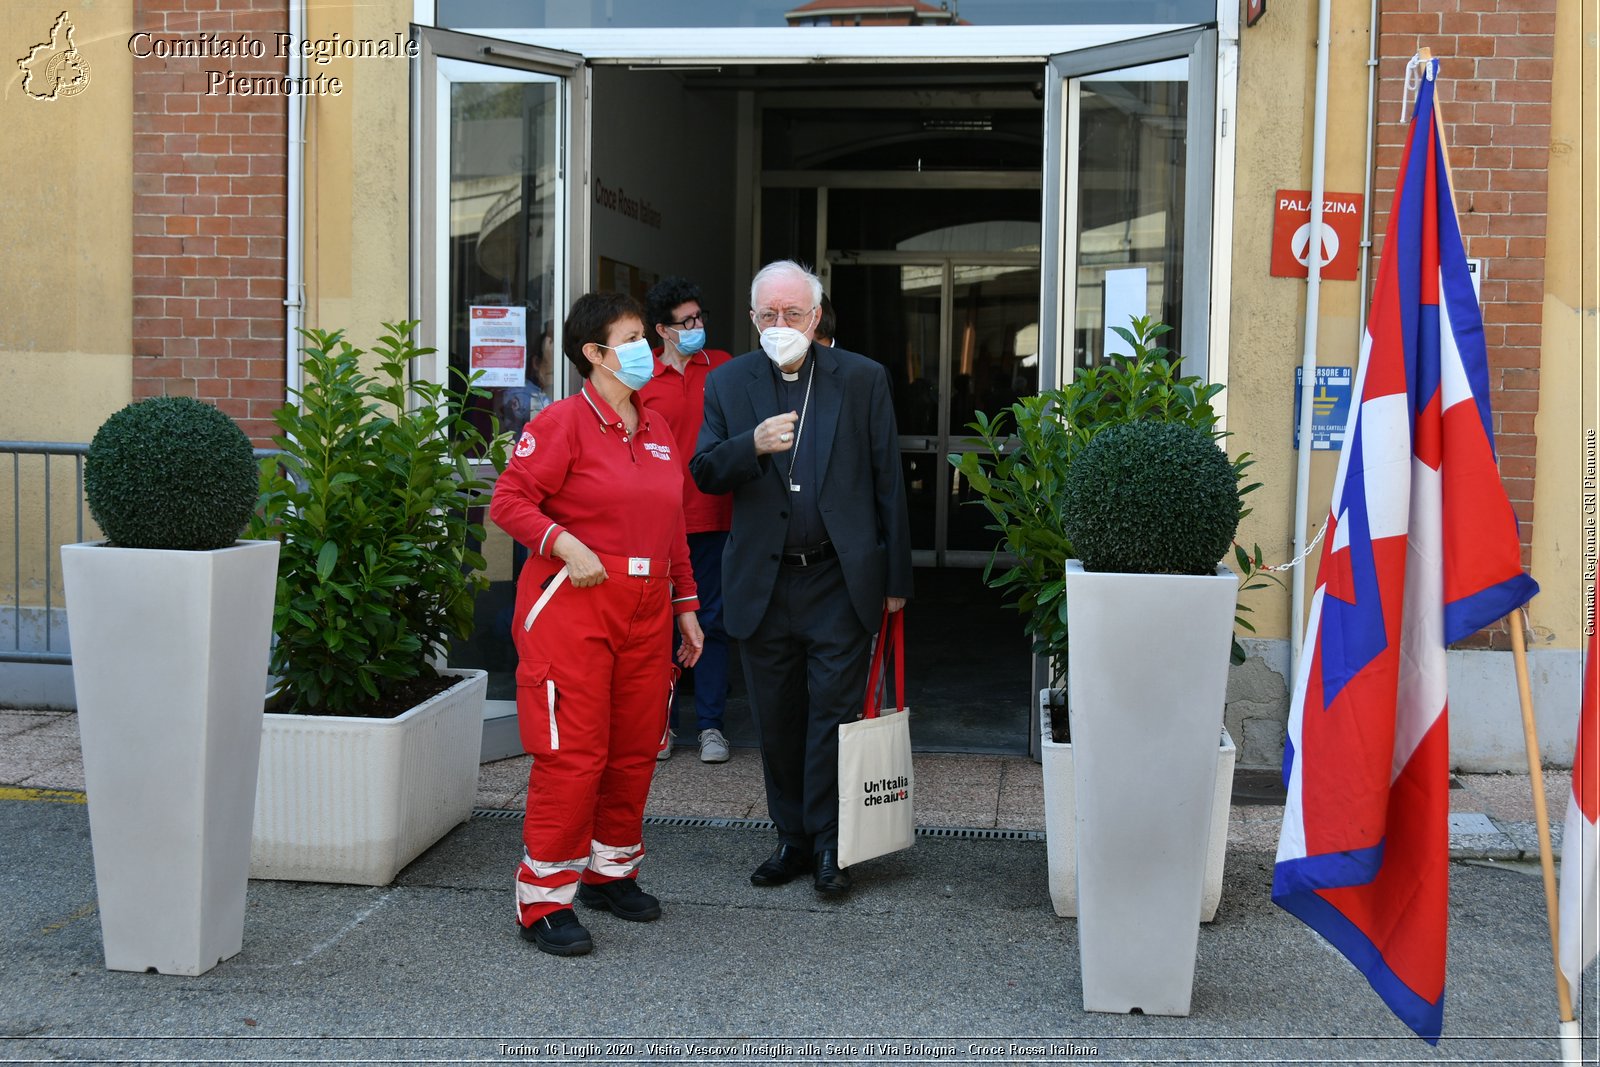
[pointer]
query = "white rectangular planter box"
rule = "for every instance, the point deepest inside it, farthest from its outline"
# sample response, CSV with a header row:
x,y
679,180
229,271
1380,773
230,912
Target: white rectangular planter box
x,y
1060,818
351,799
1147,678
169,660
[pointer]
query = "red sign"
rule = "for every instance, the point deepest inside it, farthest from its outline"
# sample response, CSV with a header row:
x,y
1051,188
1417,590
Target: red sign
x,y
1338,245
1253,10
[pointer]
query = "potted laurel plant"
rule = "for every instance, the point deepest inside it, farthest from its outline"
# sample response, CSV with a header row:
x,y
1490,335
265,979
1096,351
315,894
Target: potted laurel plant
x,y
1151,510
370,750
1019,478
1028,448
170,618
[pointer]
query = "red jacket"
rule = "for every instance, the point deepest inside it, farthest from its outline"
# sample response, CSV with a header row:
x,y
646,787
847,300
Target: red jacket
x,y
681,399
575,469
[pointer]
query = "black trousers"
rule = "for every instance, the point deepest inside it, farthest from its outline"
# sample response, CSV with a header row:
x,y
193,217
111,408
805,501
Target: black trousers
x,y
805,669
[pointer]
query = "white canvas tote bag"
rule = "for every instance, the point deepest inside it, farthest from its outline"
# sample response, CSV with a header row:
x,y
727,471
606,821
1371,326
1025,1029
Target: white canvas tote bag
x,y
875,774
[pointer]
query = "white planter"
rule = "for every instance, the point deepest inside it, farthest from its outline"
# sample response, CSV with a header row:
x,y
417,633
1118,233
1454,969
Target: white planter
x,y
169,661
348,799
1060,816
1147,675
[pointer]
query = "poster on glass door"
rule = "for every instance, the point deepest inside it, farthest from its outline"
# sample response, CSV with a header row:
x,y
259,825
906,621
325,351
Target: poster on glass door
x,y
498,343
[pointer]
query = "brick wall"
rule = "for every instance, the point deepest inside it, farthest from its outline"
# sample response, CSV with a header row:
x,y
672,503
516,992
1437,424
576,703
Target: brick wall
x,y
1494,91
209,201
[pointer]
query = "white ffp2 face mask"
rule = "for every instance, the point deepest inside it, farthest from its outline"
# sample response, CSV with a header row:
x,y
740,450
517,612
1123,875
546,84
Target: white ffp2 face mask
x,y
783,344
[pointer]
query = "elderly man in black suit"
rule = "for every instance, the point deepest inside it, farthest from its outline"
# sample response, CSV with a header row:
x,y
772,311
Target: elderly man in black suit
x,y
804,437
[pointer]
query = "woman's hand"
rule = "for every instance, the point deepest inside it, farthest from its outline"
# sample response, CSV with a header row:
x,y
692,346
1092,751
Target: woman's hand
x,y
583,566
694,641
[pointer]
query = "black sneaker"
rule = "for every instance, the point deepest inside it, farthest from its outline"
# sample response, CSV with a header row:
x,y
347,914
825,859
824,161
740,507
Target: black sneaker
x,y
559,933
622,898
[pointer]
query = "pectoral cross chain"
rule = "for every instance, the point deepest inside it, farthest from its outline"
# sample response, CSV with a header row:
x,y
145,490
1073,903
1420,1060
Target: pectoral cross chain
x,y
794,454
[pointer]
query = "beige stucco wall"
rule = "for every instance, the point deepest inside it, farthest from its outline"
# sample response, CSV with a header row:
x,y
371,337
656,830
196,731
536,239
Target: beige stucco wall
x,y
66,172
1277,89
1569,374
66,287
358,167
1277,69
66,301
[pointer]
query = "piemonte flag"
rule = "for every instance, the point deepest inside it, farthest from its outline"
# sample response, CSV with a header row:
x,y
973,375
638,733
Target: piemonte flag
x,y
1580,840
1422,550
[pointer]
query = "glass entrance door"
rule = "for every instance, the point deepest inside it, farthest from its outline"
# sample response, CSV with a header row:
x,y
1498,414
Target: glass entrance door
x,y
1130,136
500,142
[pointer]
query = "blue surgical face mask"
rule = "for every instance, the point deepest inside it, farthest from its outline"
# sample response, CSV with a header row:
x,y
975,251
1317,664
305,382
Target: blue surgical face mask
x,y
636,364
691,341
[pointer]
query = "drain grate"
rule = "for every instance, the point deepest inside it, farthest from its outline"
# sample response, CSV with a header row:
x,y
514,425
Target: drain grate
x,y
496,813
708,822
976,833
980,833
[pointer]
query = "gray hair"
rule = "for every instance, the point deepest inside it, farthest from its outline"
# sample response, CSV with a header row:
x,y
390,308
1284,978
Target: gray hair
x,y
785,268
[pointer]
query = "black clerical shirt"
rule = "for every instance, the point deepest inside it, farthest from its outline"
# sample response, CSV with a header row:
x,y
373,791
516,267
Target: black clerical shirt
x,y
805,520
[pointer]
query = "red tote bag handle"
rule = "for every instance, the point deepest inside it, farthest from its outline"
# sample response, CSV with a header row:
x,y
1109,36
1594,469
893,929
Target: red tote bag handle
x,y
891,633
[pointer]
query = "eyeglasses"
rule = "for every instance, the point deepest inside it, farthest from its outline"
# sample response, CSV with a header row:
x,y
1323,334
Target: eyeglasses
x,y
791,316
691,322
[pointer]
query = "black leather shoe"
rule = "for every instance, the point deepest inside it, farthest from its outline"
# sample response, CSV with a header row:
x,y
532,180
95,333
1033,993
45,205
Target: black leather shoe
x,y
786,863
830,878
622,898
559,933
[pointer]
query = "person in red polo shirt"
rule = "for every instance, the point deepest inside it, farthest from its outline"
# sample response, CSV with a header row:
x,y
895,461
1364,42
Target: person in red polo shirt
x,y
678,392
594,489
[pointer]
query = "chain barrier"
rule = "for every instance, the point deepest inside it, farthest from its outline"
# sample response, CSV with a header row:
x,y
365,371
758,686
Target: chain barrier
x,y
1301,558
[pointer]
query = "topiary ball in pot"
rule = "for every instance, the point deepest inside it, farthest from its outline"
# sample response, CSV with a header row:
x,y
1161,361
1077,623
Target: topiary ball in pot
x,y
1151,498
171,472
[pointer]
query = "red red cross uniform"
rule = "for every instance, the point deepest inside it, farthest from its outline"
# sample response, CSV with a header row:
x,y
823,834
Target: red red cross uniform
x,y
680,396
592,685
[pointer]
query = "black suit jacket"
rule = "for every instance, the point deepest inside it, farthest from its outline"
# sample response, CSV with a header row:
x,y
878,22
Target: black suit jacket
x,y
861,497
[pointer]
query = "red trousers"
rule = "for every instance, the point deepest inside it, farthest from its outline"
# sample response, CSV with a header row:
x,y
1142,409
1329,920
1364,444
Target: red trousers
x,y
592,701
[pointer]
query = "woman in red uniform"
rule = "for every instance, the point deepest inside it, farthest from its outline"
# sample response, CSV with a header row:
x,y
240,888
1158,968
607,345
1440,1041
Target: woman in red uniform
x,y
595,490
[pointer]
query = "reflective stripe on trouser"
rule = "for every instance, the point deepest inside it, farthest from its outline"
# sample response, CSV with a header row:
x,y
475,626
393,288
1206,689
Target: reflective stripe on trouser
x,y
545,887
591,706
609,863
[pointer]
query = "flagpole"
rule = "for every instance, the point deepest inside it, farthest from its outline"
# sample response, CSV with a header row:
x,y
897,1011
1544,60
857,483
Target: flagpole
x,y
1519,652
1570,1035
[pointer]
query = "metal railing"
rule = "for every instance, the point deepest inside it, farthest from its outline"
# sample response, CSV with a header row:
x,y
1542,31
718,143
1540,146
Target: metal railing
x,y
11,650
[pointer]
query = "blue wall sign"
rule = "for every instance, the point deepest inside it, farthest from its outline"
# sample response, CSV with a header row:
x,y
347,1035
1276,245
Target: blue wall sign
x,y
1330,407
